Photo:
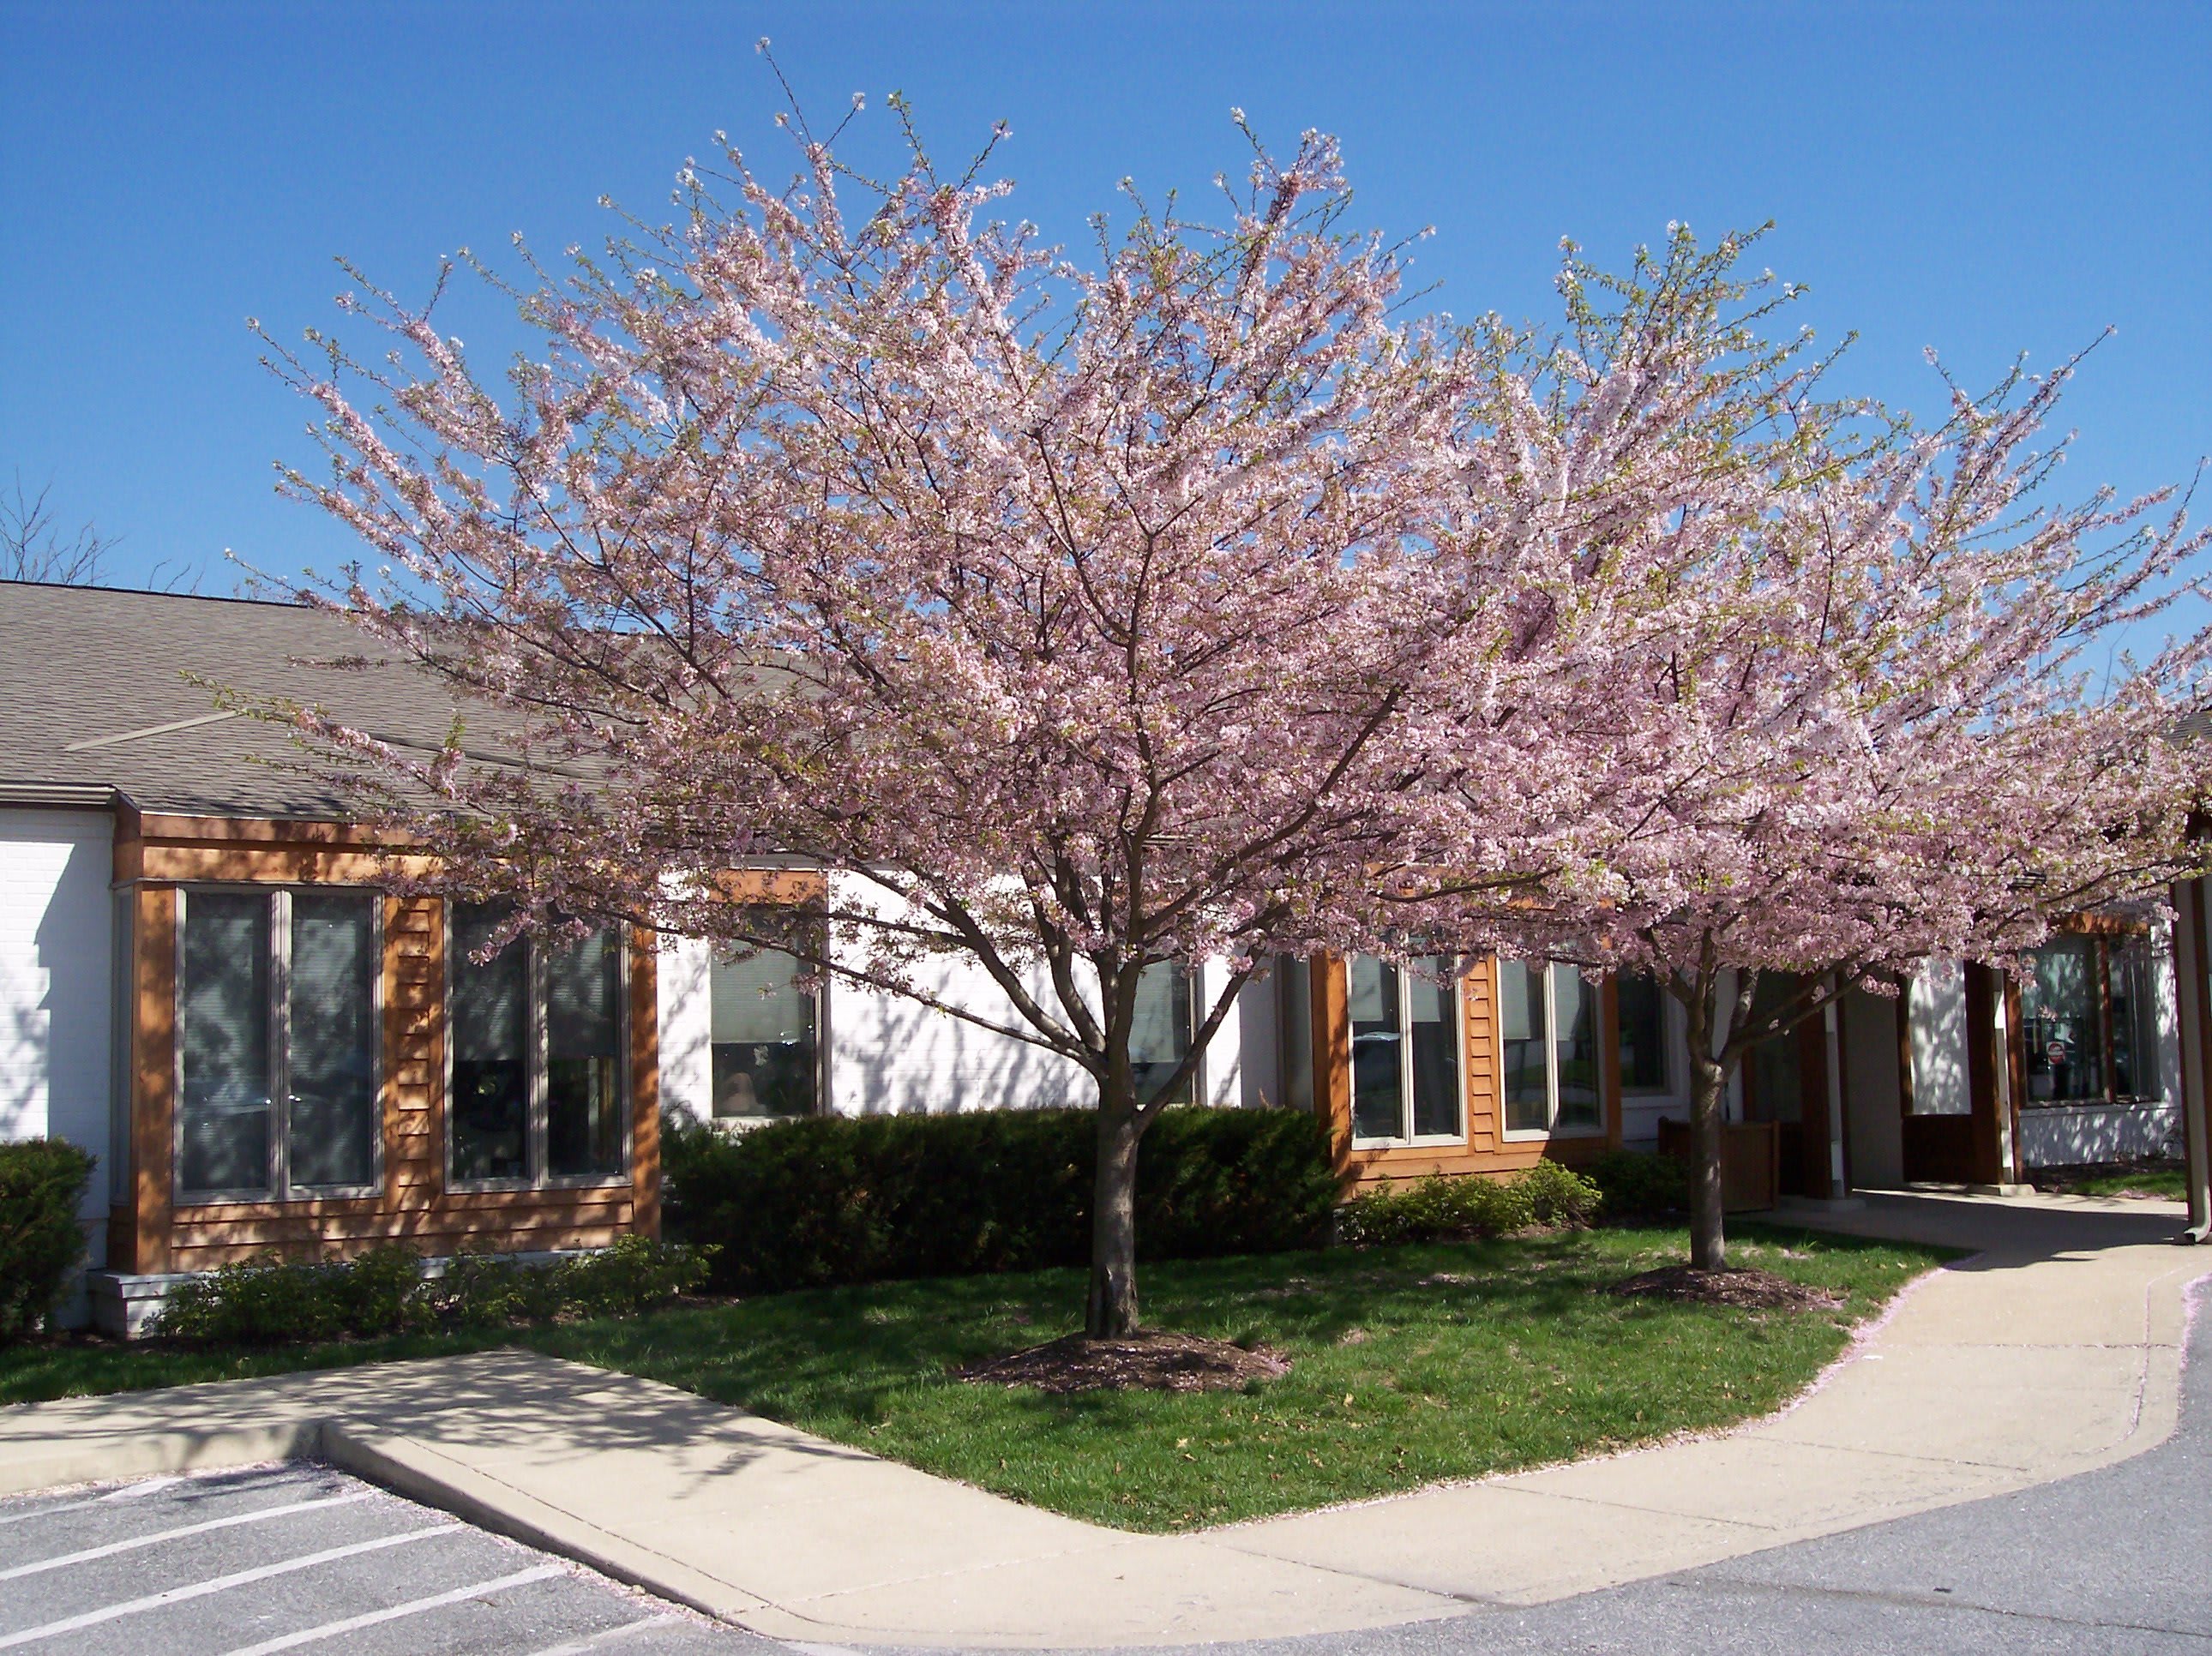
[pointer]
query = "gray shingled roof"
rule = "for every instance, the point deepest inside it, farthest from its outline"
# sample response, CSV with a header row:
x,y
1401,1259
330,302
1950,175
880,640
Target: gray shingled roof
x,y
96,693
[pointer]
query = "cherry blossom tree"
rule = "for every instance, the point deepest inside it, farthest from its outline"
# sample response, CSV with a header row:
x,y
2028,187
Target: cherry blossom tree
x,y
1075,617
1881,713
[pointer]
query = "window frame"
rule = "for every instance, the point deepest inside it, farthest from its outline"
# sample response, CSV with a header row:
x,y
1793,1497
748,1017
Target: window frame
x,y
277,1008
537,1111
1403,1140
1552,1129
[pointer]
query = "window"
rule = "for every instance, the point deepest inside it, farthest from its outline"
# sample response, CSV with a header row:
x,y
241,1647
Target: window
x,y
1160,1039
1547,1031
2088,1021
1405,1050
1774,1084
765,1036
538,1092
277,1039
1643,1035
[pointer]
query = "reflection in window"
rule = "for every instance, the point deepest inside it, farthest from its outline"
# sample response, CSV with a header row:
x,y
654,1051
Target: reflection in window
x,y
225,1138
763,1027
1159,1038
584,1126
331,1115
1643,1035
1776,1082
277,1067
540,1088
1548,1042
2088,1018
488,1006
1405,1049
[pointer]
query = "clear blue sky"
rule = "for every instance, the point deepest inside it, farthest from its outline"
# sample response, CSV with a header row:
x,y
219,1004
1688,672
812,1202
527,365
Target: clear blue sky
x,y
1985,179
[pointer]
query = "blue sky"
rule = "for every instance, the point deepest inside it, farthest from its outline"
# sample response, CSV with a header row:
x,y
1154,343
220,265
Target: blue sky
x,y
1985,179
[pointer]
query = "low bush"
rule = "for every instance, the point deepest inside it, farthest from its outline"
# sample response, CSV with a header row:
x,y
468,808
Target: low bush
x,y
1438,1209
1637,1185
826,1199
268,1301
42,1186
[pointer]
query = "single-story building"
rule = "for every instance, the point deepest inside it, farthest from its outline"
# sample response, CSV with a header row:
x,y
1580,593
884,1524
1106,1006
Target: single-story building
x,y
203,982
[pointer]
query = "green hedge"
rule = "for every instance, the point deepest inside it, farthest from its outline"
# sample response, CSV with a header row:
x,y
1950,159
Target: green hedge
x,y
1438,1208
1638,1186
825,1200
42,1184
271,1302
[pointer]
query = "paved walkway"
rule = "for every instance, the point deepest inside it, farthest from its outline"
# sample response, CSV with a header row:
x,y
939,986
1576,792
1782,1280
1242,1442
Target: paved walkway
x,y
2055,1352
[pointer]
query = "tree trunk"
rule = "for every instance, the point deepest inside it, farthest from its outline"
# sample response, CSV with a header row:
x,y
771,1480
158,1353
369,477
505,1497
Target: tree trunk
x,y
1708,1234
1111,1311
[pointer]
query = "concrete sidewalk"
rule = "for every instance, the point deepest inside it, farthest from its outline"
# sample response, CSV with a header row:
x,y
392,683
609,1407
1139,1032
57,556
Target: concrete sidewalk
x,y
2056,1350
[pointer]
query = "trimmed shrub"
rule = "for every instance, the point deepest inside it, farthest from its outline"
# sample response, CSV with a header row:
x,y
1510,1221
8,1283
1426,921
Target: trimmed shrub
x,y
1639,1186
1438,1209
636,1274
267,1302
42,1184
824,1199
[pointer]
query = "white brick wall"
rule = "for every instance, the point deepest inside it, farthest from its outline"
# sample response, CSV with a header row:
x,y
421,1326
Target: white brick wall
x,y
56,932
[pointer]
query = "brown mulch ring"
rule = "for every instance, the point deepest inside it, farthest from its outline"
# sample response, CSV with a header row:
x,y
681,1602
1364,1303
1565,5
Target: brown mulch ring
x,y
1761,1290
1151,1360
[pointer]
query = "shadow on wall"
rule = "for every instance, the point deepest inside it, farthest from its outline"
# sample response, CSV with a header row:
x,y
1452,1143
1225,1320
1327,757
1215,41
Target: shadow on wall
x,y
55,1047
892,1057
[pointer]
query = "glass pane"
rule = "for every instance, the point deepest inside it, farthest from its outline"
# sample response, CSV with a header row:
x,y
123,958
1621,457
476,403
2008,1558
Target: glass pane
x,y
1378,1094
2135,1022
1160,1036
764,1036
222,1041
1574,1012
490,1007
1434,991
1776,1091
583,1057
331,1117
2058,1022
1520,1039
1643,1035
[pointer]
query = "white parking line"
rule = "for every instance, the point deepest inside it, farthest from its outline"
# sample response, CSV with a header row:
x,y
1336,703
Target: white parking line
x,y
179,1534
128,1492
606,1637
220,1583
414,1607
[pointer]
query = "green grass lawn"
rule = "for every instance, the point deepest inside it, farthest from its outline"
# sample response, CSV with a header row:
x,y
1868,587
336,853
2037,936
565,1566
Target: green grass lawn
x,y
2168,1180
1410,1365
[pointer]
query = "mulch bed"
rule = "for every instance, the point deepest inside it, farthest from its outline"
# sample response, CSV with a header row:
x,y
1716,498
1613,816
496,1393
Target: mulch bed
x,y
1152,1359
1758,1290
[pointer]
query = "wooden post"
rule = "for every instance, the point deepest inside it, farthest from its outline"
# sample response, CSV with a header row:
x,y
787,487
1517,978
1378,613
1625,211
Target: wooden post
x,y
153,1073
645,1082
2192,960
1332,1049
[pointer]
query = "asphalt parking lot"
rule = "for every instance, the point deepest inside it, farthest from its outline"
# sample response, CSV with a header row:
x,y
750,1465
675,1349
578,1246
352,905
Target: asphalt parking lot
x,y
298,1557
